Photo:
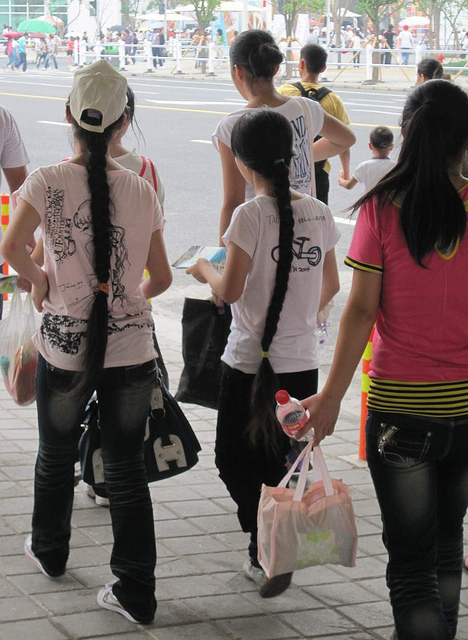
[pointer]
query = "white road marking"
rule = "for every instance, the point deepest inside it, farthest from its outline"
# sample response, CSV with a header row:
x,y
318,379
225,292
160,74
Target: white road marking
x,y
347,221
387,113
193,103
202,141
58,124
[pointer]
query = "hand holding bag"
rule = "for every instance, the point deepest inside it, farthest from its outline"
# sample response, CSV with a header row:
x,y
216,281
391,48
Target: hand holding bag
x,y
299,529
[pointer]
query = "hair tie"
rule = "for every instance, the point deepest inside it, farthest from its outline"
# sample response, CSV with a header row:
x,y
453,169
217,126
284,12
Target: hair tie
x,y
264,354
104,287
279,161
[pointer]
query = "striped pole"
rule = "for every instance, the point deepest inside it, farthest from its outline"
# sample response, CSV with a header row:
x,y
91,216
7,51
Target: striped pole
x,y
365,383
5,204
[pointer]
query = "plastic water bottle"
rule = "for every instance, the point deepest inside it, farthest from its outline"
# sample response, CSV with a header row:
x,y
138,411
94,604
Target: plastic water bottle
x,y
291,415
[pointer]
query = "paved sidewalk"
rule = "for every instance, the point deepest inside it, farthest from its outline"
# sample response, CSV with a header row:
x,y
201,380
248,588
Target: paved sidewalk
x,y
200,587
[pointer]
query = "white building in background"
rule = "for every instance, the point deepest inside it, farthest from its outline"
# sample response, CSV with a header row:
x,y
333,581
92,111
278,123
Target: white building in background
x,y
83,16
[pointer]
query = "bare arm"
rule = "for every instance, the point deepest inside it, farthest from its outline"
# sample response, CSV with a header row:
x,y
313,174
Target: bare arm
x,y
230,285
233,187
345,159
15,177
331,279
14,249
336,138
347,184
159,269
356,324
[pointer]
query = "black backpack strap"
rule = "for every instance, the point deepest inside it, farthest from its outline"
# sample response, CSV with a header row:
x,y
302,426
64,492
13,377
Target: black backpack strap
x,y
312,94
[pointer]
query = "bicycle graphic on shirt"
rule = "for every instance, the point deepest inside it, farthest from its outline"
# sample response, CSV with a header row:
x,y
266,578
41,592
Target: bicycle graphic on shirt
x,y
313,254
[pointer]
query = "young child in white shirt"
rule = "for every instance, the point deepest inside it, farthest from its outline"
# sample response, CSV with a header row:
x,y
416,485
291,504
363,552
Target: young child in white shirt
x,y
371,171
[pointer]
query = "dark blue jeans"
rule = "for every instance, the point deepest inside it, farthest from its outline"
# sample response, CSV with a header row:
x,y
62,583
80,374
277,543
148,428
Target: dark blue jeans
x,y
419,467
124,395
243,468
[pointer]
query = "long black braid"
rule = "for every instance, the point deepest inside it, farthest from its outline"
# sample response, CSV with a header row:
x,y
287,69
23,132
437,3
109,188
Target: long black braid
x,y
263,140
96,145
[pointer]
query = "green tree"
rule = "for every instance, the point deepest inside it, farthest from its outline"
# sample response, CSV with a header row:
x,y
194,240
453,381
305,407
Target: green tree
x,y
204,11
291,8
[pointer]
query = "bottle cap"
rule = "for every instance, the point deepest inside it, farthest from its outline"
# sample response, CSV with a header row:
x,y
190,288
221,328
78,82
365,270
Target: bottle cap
x,y
282,397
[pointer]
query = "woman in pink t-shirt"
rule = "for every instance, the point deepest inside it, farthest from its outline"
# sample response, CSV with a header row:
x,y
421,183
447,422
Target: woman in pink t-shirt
x,y
410,258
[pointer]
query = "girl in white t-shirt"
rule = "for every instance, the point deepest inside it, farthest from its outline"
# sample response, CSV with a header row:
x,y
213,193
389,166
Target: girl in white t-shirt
x,y
102,225
255,60
280,271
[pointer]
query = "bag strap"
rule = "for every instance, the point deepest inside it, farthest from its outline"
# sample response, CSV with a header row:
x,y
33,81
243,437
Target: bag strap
x,y
308,117
300,86
300,457
301,483
321,471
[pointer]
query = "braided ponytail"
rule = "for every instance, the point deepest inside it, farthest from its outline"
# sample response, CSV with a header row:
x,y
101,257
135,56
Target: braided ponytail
x,y
262,140
97,145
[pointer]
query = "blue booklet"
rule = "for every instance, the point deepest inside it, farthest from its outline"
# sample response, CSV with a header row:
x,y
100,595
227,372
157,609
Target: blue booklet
x,y
216,255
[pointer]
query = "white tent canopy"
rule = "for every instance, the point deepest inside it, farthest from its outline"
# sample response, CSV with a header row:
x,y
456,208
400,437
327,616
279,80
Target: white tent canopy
x,y
171,16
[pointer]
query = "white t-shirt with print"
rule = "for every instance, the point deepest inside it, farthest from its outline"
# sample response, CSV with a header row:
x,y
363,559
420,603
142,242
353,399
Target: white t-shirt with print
x,y
12,150
143,167
293,110
406,39
60,195
371,171
255,229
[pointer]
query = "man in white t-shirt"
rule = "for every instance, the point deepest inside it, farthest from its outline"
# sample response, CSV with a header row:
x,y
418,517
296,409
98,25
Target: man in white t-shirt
x,y
405,41
371,171
13,161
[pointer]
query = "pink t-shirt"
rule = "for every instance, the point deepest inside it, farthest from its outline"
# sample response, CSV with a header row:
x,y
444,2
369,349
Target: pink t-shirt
x,y
60,195
422,328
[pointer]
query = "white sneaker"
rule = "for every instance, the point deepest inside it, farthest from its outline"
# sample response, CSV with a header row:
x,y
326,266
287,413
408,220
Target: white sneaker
x,y
254,573
100,501
30,554
107,600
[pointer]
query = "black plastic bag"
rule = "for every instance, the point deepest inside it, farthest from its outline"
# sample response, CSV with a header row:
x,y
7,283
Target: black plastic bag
x,y
205,330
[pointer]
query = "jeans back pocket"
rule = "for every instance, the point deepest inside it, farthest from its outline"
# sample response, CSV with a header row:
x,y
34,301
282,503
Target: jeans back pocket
x,y
402,446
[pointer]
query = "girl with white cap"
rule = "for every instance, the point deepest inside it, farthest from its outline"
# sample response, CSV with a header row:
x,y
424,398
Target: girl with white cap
x,y
95,334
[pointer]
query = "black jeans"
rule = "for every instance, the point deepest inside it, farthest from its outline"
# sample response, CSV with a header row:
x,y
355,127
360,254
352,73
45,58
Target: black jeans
x,y
419,467
242,468
124,395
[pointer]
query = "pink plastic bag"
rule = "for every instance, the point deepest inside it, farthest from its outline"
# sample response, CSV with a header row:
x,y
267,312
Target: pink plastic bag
x,y
18,355
299,529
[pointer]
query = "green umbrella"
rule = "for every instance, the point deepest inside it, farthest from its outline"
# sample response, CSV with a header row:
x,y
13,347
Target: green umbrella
x,y
36,26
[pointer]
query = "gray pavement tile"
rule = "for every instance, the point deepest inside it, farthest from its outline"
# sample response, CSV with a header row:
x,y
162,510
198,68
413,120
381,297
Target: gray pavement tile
x,y
201,631
212,490
316,575
11,458
5,445
136,635
14,565
369,507
214,562
88,557
92,576
18,423
39,583
13,506
90,517
369,615
371,545
101,535
195,544
161,512
385,632
366,528
197,508
11,545
7,589
222,606
365,568
19,608
19,472
176,528
217,524
20,436
462,633
59,603
27,629
9,489
258,628
94,623
6,528
174,613
341,593
378,586
319,622
29,446
227,504
237,540
293,599
193,586
175,567
162,493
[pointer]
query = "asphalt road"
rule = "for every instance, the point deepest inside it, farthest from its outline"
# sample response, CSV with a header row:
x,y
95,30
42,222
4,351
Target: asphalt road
x,y
176,118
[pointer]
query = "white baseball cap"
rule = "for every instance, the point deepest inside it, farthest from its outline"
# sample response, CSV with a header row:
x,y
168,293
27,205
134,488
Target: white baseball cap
x,y
99,93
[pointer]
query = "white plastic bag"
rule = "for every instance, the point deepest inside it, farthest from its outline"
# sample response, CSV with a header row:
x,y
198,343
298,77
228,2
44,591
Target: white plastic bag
x,y
299,529
18,355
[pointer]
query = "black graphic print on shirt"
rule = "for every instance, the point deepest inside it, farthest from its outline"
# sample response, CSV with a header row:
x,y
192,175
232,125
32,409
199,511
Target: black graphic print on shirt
x,y
301,251
61,332
58,230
